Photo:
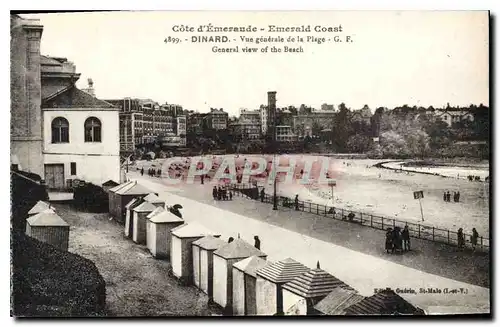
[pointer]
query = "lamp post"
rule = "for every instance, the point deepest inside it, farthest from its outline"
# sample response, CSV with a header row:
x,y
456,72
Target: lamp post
x,y
332,184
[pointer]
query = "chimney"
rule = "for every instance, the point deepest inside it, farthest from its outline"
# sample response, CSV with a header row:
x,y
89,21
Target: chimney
x,y
90,89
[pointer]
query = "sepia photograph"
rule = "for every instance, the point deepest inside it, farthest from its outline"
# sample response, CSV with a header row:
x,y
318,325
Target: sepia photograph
x,y
250,163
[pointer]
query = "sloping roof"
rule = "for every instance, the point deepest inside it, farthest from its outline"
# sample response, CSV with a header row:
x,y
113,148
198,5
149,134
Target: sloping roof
x,y
47,218
110,183
251,265
155,212
385,302
39,207
192,230
52,90
314,283
165,216
283,271
73,97
209,243
133,188
132,202
153,198
145,207
335,303
238,249
116,188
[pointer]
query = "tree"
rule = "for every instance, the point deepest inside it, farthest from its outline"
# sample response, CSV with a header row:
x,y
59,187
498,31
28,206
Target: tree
x,y
358,143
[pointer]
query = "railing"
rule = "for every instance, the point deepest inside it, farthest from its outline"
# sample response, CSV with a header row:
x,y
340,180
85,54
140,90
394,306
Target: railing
x,y
420,231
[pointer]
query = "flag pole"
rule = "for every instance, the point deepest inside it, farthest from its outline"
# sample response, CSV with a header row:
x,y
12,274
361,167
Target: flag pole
x,y
421,210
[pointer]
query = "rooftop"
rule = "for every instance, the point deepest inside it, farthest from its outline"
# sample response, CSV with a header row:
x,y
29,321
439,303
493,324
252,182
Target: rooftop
x,y
238,249
47,218
314,283
283,271
251,265
209,242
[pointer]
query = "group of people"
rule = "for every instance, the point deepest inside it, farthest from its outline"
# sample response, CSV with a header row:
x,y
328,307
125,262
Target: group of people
x,y
475,178
397,239
447,196
219,193
461,239
152,172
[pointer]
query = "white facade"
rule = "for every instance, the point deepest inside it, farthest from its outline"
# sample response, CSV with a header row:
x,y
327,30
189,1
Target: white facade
x,y
266,297
293,304
96,162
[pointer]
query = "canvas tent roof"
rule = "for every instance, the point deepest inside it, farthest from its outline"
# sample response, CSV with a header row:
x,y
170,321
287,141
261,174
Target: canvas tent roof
x,y
39,207
46,218
384,302
155,212
251,265
314,283
238,249
133,188
132,202
335,303
145,207
118,187
209,242
192,230
153,198
164,216
283,271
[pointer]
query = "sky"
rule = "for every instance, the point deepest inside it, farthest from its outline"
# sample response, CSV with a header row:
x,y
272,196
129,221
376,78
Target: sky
x,y
396,58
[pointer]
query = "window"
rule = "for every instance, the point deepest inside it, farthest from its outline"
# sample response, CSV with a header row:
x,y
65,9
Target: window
x,y
92,130
60,130
73,168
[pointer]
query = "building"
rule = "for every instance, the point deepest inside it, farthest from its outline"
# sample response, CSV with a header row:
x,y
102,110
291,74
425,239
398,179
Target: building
x,y
285,134
245,130
451,117
217,119
263,119
327,107
196,123
26,139
80,132
308,124
271,114
363,115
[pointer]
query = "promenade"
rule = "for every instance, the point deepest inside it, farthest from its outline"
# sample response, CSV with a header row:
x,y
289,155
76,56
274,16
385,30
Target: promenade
x,y
349,253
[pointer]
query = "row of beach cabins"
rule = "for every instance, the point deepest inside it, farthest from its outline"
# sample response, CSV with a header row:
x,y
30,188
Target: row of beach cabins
x,y
236,275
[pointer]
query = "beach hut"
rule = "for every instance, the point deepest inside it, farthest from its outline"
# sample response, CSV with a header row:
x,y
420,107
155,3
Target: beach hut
x,y
224,258
203,270
336,303
122,194
159,224
244,282
107,185
139,221
181,253
48,227
385,302
308,289
270,281
40,206
129,215
154,199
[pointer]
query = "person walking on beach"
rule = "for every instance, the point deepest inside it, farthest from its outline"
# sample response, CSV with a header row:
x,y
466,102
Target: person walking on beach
x,y
458,196
388,240
257,242
460,239
142,171
473,238
444,196
405,234
448,196
454,196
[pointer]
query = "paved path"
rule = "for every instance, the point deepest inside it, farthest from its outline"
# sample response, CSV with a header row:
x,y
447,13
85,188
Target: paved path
x,y
365,272
136,283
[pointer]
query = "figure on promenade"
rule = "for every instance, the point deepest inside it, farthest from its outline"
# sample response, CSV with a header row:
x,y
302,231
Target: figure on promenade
x,y
460,239
458,196
219,193
388,240
142,171
397,242
202,179
297,202
262,195
448,196
230,196
257,242
214,192
473,238
405,234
